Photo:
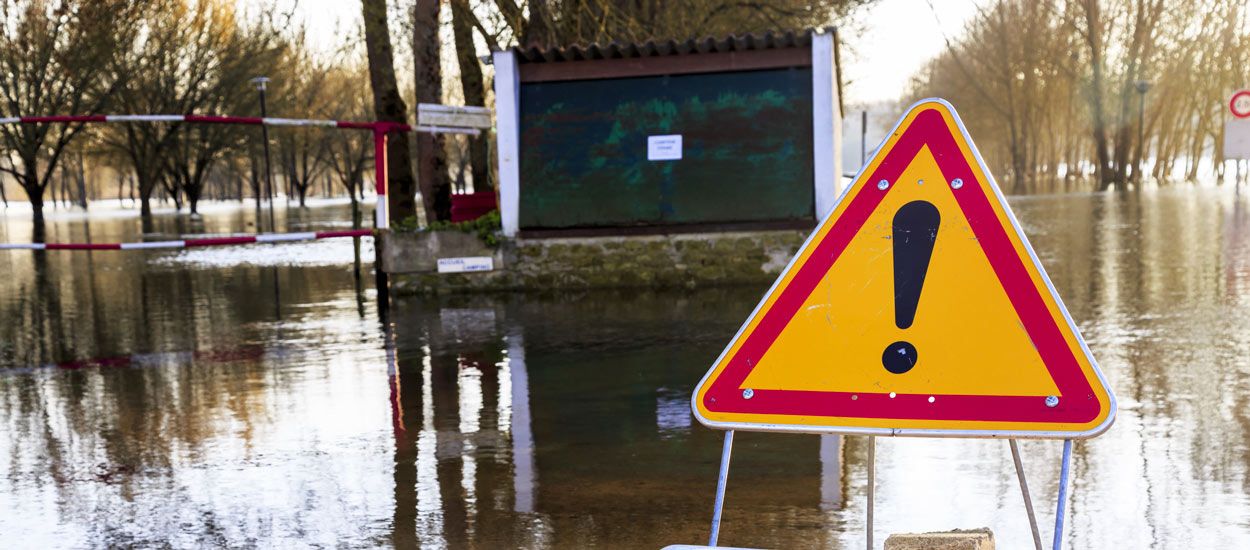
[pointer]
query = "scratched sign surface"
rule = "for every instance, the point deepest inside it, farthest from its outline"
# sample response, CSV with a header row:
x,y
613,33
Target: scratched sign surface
x,y
916,308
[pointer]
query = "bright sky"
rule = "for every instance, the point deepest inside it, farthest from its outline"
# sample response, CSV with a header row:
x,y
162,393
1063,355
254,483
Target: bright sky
x,y
899,36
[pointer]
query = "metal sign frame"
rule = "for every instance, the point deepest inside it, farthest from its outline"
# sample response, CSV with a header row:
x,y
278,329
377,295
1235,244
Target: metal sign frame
x,y
991,184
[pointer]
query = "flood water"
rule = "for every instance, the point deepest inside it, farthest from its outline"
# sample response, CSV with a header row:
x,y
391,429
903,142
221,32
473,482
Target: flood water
x,y
253,396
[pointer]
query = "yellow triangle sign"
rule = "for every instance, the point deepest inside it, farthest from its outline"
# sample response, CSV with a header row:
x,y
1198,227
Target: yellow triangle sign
x,y
917,307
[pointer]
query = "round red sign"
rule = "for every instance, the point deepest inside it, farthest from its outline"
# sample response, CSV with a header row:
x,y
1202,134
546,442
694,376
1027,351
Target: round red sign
x,y
1240,104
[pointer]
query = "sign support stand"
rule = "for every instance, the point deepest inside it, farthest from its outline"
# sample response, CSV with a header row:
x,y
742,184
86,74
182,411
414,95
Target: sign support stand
x,y
721,480
1063,493
872,484
1024,490
926,183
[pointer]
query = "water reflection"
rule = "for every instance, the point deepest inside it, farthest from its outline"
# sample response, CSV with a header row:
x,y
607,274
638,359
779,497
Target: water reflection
x,y
159,399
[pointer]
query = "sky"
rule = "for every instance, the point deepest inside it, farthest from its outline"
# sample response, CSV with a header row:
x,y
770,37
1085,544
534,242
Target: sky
x,y
897,37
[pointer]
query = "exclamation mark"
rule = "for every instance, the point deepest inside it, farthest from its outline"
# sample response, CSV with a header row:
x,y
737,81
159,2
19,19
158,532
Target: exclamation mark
x,y
915,230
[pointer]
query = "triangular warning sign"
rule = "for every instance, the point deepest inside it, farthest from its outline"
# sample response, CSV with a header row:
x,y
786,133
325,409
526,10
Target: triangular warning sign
x,y
917,307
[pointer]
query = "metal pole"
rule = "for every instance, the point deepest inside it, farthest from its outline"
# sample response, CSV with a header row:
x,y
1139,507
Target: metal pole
x,y
721,480
1141,134
1063,493
1024,490
872,483
260,82
863,138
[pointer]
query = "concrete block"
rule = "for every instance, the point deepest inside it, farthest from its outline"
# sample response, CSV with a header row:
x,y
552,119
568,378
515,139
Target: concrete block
x,y
959,539
419,252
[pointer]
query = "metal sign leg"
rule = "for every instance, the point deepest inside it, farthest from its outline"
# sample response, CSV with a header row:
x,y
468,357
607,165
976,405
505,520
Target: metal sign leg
x,y
1063,493
720,487
872,483
1024,490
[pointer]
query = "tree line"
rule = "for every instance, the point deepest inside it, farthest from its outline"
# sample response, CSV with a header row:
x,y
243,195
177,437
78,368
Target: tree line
x,y
61,57
1110,92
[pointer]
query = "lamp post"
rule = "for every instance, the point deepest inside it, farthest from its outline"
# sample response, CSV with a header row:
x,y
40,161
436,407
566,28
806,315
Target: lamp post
x,y
260,83
1142,87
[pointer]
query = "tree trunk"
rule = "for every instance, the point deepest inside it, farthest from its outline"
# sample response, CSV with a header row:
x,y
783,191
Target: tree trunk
x,y
82,182
194,192
301,189
146,189
34,191
36,208
431,155
389,106
1093,39
538,27
474,92
51,189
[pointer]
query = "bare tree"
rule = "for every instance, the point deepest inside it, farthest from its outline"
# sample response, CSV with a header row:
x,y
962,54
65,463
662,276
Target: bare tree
x,y
389,106
428,87
350,152
1050,87
56,58
474,91
544,23
240,53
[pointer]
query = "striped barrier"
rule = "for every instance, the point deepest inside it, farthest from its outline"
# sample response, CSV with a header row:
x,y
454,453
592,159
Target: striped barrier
x,y
252,121
380,130
193,243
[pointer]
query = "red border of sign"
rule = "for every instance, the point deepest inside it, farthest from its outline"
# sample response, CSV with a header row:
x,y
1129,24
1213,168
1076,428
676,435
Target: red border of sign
x,y
1232,104
930,129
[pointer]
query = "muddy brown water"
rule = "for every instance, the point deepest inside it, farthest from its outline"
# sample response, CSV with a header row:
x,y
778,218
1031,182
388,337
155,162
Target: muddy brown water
x,y
252,396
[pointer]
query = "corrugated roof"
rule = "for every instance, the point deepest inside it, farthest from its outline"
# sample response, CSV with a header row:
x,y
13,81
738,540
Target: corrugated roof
x,y
654,48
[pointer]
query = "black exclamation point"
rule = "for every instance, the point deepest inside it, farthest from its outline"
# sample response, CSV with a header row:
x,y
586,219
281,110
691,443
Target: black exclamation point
x,y
915,230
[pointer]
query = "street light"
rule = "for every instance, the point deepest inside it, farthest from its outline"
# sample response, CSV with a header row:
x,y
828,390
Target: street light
x,y
260,82
1142,87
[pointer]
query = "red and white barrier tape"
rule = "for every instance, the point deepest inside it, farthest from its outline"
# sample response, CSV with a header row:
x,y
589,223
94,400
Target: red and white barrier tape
x,y
255,121
380,130
191,243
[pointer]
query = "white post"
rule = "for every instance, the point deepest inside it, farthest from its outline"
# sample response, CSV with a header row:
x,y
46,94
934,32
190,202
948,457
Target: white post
x,y
508,122
826,125
830,472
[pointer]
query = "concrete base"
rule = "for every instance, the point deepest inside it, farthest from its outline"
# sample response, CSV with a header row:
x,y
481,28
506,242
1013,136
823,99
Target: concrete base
x,y
419,252
959,539
657,261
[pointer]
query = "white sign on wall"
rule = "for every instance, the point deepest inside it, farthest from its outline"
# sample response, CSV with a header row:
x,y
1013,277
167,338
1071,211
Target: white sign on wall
x,y
664,147
466,265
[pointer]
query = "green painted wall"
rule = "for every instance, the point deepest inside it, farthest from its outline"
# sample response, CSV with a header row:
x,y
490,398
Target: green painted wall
x,y
747,150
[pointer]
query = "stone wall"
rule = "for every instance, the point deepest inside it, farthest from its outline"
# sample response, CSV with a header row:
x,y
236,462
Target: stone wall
x,y
686,260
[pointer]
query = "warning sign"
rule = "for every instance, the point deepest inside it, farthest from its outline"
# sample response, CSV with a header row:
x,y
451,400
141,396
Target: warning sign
x,y
916,308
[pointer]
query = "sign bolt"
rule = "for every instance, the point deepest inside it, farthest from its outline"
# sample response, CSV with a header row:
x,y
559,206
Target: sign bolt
x,y
957,183
882,185
1052,401
748,393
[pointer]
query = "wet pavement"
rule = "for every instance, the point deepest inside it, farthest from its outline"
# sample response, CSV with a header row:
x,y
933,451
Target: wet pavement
x,y
253,396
